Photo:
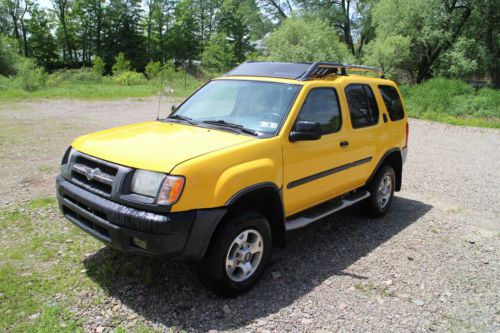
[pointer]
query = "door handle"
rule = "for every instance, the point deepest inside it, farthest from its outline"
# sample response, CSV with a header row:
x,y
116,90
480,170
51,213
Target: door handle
x,y
344,144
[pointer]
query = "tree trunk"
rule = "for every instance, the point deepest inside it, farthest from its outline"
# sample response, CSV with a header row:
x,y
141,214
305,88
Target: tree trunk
x,y
346,4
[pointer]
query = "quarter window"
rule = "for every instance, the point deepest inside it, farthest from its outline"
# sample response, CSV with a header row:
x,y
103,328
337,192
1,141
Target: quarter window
x,y
322,106
392,102
362,105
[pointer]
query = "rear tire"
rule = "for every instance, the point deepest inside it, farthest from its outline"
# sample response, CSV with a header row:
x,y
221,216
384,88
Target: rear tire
x,y
381,189
237,256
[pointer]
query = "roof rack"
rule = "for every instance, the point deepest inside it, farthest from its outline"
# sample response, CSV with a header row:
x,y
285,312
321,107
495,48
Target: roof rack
x,y
297,71
361,68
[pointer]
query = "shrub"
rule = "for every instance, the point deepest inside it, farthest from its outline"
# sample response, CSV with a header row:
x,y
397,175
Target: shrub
x,y
62,76
121,64
439,97
153,70
129,78
29,76
98,66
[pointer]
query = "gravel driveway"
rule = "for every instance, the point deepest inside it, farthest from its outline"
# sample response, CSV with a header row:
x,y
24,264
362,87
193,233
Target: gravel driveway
x,y
432,264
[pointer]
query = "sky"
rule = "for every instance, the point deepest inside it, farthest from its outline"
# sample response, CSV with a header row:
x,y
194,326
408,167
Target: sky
x,y
44,3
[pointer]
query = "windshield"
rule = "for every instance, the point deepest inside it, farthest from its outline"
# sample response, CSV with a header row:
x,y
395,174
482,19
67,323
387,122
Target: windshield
x,y
252,105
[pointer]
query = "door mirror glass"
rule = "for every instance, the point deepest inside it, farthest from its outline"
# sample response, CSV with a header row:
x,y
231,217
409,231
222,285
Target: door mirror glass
x,y
305,131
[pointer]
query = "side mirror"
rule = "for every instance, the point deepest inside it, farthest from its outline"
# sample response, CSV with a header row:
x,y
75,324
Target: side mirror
x,y
305,131
172,108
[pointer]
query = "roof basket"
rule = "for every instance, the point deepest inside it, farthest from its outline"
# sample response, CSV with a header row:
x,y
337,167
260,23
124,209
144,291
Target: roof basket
x,y
298,71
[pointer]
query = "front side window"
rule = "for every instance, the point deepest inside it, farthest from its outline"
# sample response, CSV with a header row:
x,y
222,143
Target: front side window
x,y
253,105
392,102
362,105
322,106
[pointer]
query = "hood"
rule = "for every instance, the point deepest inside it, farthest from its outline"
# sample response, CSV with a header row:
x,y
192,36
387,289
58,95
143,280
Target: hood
x,y
157,146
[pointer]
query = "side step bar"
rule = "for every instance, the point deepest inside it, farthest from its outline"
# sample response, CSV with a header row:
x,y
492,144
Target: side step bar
x,y
314,214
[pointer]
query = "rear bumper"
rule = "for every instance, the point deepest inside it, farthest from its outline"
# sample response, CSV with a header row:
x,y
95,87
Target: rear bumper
x,y
183,235
404,154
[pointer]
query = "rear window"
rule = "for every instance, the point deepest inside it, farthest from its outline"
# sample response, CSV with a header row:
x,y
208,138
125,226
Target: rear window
x,y
392,102
362,105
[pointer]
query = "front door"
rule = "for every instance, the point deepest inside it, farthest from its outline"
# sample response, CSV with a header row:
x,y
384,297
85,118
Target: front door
x,y
313,170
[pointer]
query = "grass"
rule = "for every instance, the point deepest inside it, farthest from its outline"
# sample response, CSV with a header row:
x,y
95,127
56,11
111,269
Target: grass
x,y
453,102
42,274
84,85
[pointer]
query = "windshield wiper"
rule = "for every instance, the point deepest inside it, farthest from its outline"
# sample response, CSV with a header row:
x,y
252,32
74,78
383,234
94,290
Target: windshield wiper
x,y
183,118
238,127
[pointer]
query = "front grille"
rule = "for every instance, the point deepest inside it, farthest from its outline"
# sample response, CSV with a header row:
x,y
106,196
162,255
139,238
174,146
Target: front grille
x,y
93,174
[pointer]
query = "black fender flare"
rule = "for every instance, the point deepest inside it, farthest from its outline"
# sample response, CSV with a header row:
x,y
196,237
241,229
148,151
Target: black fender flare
x,y
382,162
278,222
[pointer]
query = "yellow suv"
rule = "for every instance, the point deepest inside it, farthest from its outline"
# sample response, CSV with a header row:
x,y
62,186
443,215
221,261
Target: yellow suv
x,y
267,148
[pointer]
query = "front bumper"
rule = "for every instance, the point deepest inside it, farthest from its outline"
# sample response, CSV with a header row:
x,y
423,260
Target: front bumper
x,y
183,235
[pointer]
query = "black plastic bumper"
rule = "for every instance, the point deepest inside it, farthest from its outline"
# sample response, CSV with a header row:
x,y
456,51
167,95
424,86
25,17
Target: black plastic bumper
x,y
183,235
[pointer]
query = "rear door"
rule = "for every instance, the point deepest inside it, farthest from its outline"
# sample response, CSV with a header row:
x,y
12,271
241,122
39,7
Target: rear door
x,y
393,106
313,169
368,137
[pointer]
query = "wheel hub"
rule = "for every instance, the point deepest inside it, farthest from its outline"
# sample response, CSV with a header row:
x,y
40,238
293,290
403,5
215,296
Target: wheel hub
x,y
384,191
244,255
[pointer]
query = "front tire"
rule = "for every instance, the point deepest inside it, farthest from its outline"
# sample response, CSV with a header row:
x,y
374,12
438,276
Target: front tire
x,y
237,256
381,189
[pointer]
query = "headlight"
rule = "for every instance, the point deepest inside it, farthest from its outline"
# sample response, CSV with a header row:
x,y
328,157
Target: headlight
x,y
147,182
152,184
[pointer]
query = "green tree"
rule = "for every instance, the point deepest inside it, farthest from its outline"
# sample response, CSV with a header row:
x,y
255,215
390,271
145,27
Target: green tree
x,y
183,39
388,53
432,26
299,39
218,56
483,29
8,56
42,44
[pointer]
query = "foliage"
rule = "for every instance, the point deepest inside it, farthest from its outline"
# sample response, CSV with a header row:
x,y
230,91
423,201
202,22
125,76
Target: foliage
x,y
121,64
453,101
461,60
431,26
8,56
98,66
299,39
153,70
219,55
129,78
388,53
29,76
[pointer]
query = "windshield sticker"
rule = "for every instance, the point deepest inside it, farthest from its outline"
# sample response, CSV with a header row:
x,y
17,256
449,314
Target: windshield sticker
x,y
268,124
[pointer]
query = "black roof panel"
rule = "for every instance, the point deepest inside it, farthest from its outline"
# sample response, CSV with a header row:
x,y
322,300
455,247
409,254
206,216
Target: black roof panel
x,y
284,70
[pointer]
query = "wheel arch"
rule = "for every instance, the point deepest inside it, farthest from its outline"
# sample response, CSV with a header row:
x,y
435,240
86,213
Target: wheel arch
x,y
394,158
266,198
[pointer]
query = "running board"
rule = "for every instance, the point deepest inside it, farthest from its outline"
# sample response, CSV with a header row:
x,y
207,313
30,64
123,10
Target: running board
x,y
323,210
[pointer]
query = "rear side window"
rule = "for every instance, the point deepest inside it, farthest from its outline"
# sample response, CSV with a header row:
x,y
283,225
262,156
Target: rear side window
x,y
362,105
322,106
392,102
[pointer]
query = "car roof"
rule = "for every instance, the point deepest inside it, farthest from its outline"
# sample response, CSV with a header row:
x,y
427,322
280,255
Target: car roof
x,y
302,73
298,72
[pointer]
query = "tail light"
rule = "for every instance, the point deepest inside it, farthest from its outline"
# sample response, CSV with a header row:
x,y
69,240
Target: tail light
x,y
407,133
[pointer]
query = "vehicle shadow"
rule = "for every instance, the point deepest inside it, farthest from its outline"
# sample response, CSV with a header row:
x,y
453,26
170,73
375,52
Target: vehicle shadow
x,y
167,292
